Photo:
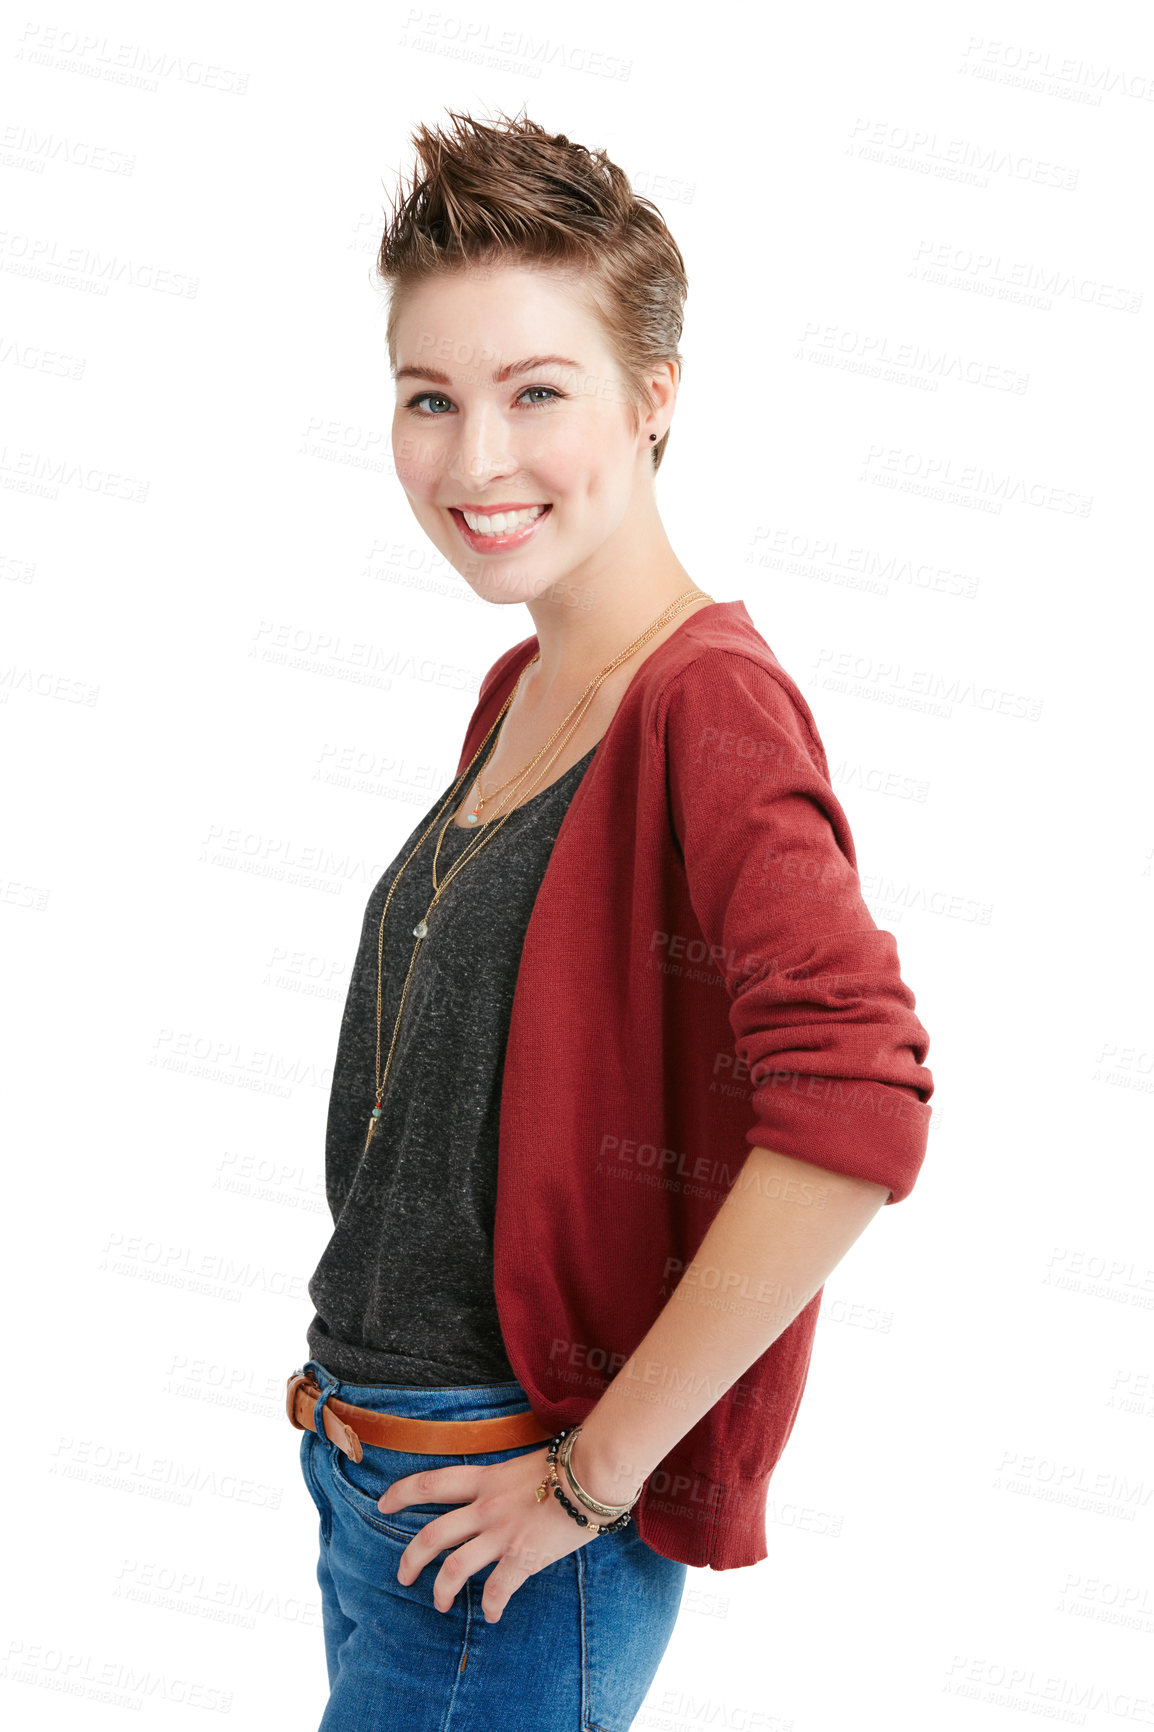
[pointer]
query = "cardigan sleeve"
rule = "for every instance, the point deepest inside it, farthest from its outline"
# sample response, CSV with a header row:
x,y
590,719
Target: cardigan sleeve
x,y
823,1023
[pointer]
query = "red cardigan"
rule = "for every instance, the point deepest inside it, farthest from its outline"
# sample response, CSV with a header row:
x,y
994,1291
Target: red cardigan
x,y
700,975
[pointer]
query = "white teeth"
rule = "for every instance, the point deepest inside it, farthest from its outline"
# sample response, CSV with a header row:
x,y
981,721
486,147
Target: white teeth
x,y
502,522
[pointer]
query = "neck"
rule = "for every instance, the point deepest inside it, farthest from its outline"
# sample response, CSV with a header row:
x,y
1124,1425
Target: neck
x,y
590,616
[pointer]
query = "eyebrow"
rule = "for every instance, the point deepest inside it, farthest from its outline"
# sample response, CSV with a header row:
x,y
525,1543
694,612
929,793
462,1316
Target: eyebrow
x,y
511,371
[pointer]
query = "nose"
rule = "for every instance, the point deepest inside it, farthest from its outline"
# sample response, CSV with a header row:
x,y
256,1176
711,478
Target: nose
x,y
481,450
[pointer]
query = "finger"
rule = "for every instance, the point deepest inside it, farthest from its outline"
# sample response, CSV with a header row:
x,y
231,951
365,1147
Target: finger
x,y
460,1565
501,1586
455,1484
435,1536
529,1557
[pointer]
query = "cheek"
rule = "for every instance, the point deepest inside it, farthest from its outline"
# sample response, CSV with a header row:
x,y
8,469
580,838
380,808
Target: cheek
x,y
571,465
418,459
602,468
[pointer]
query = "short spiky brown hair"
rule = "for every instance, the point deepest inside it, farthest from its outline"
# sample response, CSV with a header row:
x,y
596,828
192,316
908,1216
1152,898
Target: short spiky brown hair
x,y
512,193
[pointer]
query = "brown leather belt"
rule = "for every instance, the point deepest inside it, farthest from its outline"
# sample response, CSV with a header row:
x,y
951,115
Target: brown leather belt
x,y
349,1426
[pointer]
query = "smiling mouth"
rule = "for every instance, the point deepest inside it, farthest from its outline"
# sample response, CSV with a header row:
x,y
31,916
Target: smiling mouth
x,y
499,523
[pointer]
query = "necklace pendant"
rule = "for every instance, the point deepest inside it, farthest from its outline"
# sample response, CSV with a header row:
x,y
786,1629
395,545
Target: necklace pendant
x,y
470,817
420,930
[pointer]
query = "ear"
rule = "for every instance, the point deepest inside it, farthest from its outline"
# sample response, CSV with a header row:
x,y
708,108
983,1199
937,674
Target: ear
x,y
663,383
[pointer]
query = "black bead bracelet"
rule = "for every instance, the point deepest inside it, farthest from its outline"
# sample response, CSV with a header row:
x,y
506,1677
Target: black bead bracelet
x,y
579,1516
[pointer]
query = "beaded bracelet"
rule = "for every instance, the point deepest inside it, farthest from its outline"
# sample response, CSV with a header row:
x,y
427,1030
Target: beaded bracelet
x,y
579,1517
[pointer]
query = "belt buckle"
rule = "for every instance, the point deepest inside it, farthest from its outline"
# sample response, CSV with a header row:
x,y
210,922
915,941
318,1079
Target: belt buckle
x,y
296,1379
341,1433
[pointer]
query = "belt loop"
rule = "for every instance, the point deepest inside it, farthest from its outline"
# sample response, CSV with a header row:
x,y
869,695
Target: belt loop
x,y
328,1386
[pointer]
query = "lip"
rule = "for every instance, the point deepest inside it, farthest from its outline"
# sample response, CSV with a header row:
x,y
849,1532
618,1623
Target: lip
x,y
491,509
498,543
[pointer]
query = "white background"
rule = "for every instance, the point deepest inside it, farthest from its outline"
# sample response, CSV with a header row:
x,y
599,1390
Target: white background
x,y
891,217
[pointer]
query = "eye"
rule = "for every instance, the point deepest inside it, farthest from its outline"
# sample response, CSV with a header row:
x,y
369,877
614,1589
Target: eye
x,y
439,404
431,396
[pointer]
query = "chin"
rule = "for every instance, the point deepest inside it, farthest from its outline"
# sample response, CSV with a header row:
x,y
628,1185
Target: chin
x,y
501,586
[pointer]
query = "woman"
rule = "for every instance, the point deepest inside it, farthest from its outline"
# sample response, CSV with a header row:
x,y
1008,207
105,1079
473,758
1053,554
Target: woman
x,y
626,952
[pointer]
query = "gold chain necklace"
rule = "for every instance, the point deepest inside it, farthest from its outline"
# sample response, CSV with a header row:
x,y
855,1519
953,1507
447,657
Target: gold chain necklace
x,y
420,930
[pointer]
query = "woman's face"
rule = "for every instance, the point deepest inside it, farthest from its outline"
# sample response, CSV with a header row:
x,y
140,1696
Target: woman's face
x,y
511,407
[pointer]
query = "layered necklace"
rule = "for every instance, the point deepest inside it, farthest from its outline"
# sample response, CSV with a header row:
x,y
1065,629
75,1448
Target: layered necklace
x,y
514,790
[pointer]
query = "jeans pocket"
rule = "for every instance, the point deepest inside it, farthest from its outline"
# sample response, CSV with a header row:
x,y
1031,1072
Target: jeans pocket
x,y
361,1483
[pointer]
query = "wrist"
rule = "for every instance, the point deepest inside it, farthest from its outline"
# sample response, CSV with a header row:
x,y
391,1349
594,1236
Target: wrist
x,y
600,1470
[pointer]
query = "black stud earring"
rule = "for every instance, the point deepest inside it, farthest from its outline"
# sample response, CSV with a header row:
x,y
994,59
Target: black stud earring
x,y
653,435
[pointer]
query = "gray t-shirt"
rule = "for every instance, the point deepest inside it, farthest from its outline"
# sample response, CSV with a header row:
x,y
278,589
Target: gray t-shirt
x,y
404,1289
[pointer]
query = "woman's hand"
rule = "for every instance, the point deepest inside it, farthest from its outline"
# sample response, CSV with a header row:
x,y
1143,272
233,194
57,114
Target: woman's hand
x,y
500,1518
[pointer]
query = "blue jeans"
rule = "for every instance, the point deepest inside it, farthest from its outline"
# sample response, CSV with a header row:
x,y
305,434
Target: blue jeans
x,y
575,1649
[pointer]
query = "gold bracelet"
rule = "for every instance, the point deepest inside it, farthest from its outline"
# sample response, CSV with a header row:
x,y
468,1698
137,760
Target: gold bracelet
x,y
609,1511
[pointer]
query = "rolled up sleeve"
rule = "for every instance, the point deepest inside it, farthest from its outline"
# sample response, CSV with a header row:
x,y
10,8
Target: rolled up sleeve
x,y
820,1014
